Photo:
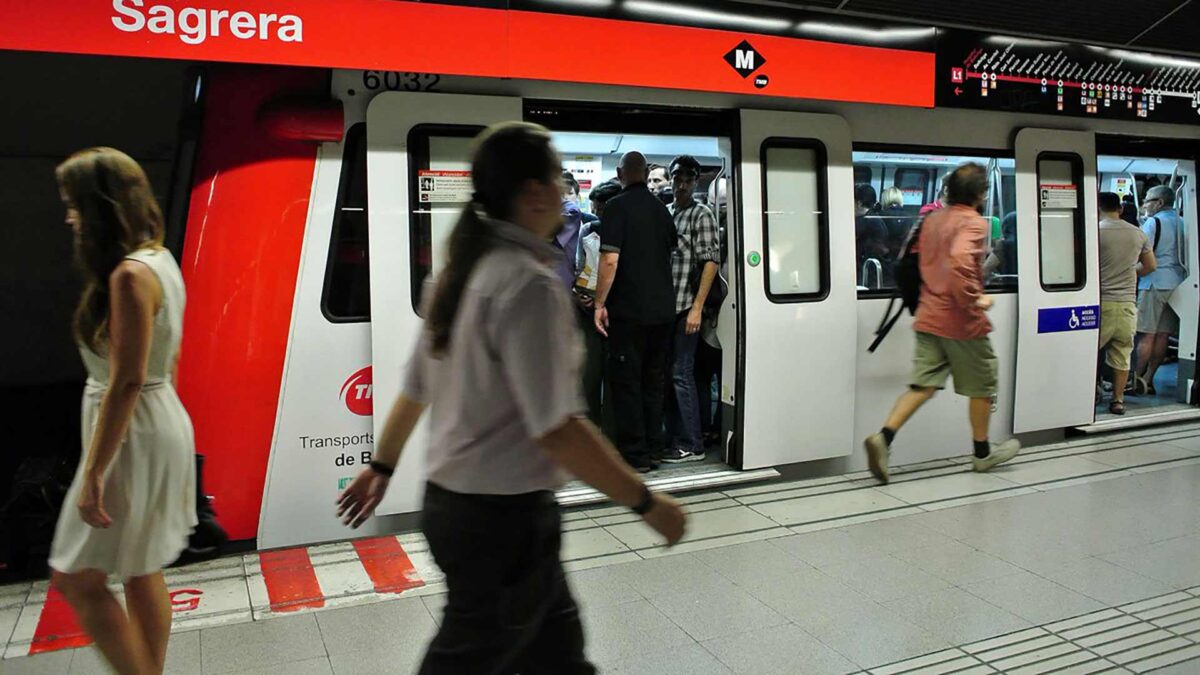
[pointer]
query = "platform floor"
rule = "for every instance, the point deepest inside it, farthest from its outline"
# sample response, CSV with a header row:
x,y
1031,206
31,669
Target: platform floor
x,y
1079,557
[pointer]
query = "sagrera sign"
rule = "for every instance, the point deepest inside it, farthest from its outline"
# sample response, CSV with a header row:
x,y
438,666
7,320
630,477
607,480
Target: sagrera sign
x,y
195,25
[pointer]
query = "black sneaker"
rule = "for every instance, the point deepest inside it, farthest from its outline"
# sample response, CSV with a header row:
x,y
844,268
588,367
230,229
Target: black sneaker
x,y
681,456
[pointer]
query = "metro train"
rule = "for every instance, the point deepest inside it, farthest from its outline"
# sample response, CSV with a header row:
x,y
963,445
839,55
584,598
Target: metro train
x,y
321,198
797,384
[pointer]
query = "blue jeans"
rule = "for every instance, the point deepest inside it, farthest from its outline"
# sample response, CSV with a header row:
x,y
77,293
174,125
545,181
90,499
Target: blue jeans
x,y
683,420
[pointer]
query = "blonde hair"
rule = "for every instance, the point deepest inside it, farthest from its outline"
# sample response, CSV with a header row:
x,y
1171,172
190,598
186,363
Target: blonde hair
x,y
118,215
891,197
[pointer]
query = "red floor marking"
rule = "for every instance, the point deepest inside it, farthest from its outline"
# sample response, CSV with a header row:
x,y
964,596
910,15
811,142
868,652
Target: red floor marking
x,y
290,579
387,564
57,627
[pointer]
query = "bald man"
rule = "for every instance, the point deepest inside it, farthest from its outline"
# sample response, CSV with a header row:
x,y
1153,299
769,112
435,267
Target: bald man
x,y
635,309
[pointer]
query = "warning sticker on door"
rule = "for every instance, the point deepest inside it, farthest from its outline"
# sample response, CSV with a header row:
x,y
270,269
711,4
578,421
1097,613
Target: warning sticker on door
x,y
444,186
1064,319
1058,196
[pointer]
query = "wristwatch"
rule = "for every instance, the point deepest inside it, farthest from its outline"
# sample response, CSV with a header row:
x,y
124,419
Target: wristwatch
x,y
382,469
643,507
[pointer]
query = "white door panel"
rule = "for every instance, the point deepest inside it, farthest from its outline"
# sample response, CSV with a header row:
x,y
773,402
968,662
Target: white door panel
x,y
1058,267
394,323
1186,298
799,301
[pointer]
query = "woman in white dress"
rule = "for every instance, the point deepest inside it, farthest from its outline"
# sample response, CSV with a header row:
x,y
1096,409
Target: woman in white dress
x,y
131,506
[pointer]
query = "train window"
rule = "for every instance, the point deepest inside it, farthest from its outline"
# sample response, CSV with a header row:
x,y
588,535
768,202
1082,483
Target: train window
x,y
862,174
796,230
439,187
346,296
1060,222
907,183
916,185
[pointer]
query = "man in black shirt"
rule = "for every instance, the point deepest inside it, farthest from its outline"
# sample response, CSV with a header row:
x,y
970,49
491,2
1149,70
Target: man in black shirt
x,y
635,308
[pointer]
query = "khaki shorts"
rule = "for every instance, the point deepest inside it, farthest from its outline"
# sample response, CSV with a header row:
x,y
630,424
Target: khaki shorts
x,y
1118,322
1154,314
972,363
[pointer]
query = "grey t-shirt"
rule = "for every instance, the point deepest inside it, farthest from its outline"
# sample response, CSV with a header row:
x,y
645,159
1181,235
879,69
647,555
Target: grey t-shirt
x,y
509,376
1121,246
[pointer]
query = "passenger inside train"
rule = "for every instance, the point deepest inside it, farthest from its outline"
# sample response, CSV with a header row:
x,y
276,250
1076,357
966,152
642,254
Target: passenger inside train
x,y
1154,194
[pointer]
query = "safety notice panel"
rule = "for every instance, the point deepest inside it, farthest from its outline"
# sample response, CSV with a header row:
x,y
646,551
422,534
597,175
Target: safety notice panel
x,y
1058,196
444,186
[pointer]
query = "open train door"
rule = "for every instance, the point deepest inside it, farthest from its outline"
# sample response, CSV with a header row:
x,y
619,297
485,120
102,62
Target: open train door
x,y
418,179
795,269
1059,279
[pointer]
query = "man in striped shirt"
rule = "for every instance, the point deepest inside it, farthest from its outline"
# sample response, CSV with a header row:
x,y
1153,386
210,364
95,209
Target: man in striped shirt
x,y
693,267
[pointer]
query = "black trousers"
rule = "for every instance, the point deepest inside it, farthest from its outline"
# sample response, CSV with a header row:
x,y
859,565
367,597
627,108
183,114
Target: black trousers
x,y
637,367
509,609
597,390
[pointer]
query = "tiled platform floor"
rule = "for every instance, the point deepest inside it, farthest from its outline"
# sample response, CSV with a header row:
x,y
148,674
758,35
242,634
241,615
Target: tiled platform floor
x,y
1082,557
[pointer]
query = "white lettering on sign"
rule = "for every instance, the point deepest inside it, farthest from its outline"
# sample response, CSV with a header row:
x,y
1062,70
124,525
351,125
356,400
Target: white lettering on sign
x,y
744,59
194,25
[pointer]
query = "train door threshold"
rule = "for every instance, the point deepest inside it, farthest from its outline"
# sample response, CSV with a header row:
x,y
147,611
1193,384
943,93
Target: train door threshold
x,y
673,479
1167,415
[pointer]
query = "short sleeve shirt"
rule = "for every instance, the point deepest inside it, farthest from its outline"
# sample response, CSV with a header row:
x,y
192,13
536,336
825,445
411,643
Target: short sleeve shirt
x,y
1121,246
640,228
952,245
509,375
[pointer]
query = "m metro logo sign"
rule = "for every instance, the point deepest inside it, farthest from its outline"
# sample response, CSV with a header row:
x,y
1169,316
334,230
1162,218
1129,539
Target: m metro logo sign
x,y
745,59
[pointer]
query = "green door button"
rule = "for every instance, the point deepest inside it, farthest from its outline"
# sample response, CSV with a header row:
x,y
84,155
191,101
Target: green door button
x,y
754,258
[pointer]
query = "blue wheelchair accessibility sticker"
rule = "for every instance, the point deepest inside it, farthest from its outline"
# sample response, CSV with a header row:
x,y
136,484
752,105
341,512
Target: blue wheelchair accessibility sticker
x,y
1064,319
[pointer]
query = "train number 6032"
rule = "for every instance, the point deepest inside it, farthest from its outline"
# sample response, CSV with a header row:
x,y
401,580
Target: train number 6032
x,y
394,81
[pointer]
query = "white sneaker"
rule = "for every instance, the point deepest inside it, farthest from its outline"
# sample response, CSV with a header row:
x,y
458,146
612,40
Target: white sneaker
x,y
1000,454
877,456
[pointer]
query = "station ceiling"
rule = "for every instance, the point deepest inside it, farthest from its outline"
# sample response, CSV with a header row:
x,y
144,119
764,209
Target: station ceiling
x,y
1152,25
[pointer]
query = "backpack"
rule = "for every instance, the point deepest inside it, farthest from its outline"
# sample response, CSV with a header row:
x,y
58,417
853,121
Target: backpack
x,y
907,272
716,293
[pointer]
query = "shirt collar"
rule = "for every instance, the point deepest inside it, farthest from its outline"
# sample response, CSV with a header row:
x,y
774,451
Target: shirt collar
x,y
520,237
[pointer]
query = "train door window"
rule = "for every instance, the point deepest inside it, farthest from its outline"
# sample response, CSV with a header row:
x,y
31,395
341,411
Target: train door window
x,y
439,188
1060,222
440,157
795,218
912,179
346,296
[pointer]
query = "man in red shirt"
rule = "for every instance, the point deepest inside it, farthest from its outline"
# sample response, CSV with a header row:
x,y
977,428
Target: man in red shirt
x,y
952,324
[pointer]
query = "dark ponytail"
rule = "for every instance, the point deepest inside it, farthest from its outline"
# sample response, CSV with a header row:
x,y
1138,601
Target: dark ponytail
x,y
505,156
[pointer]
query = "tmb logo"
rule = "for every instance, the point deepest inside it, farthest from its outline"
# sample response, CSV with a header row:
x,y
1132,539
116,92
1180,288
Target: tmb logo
x,y
356,392
745,59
